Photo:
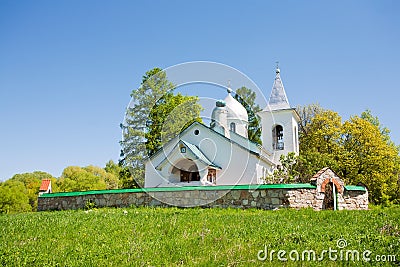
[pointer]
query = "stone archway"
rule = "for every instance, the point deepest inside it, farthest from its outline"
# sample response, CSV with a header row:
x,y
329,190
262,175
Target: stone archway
x,y
330,187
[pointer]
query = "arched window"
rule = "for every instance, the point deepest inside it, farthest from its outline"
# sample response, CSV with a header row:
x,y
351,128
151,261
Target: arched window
x,y
232,127
277,138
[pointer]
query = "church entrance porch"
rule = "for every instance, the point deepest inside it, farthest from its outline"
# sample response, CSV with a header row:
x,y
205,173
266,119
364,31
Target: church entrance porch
x,y
185,170
189,176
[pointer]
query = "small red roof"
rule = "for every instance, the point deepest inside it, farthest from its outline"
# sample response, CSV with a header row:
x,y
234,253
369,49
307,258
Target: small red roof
x,y
45,185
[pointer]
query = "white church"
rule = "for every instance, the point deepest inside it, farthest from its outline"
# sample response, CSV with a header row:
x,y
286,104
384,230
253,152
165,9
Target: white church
x,y
222,154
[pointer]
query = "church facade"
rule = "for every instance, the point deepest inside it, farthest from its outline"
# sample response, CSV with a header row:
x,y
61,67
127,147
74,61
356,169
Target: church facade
x,y
222,154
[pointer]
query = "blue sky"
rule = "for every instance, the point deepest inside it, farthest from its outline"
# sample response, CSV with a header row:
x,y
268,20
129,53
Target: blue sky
x,y
67,67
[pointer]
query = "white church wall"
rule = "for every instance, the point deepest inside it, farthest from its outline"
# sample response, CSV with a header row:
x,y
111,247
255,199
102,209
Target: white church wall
x,y
286,119
152,177
240,126
238,165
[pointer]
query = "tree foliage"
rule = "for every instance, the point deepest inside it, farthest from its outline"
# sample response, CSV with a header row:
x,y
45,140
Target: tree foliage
x,y
359,150
76,178
155,116
320,144
122,172
368,158
32,182
247,97
306,114
13,197
286,172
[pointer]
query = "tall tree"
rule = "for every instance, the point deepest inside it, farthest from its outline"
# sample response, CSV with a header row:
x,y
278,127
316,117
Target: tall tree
x,y
306,114
368,158
247,98
320,143
374,120
155,116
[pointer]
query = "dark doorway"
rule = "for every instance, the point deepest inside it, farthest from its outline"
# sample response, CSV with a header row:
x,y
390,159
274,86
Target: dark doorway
x,y
189,176
329,203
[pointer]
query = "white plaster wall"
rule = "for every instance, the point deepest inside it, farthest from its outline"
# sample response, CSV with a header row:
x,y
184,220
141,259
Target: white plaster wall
x,y
287,120
152,177
241,126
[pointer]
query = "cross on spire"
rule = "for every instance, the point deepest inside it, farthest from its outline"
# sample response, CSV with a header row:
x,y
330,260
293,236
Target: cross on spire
x,y
277,67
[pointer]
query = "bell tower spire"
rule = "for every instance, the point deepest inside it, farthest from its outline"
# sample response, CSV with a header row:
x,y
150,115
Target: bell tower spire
x,y
279,122
278,98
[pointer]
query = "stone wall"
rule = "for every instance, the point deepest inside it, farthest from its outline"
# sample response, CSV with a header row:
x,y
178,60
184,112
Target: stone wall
x,y
353,200
262,197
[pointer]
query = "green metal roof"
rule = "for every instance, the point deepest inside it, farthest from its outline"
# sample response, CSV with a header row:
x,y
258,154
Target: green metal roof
x,y
197,152
182,188
192,188
355,188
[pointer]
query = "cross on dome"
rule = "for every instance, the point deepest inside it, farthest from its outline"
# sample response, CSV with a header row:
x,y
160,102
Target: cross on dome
x,y
229,89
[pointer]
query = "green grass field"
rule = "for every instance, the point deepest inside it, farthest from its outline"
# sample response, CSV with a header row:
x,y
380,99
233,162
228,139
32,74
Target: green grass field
x,y
195,237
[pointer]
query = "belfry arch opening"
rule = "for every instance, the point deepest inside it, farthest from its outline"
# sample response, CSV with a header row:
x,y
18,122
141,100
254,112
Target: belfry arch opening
x,y
277,138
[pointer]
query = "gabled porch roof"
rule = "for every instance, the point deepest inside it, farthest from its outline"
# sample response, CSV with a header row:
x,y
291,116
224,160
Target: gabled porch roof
x,y
193,153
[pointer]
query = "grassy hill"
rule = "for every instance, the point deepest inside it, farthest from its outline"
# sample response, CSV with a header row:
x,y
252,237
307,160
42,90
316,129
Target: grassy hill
x,y
192,237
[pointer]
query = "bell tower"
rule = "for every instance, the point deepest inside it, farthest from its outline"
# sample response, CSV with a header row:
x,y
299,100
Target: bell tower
x,y
280,122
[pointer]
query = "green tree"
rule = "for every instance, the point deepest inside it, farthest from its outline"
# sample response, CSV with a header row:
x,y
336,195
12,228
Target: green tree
x,y
320,144
286,172
370,159
32,182
155,116
110,179
247,97
75,178
385,132
306,114
122,172
171,114
13,197
359,150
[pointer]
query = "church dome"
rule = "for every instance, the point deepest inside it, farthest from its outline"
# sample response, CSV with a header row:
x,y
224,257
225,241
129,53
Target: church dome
x,y
235,109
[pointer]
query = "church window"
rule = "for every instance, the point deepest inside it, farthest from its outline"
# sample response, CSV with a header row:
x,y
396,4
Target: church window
x,y
233,127
277,135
